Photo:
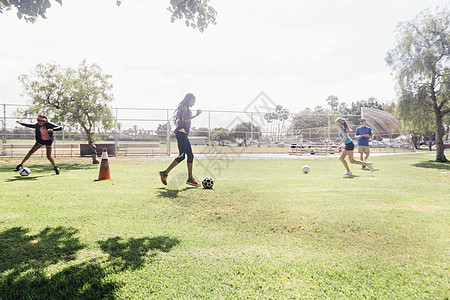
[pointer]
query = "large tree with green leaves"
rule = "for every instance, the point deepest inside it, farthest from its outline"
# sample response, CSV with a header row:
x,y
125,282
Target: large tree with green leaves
x,y
420,61
418,120
78,98
197,14
307,119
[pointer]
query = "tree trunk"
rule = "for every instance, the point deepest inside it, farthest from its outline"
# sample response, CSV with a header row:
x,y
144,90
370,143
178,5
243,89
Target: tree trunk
x,y
91,144
94,152
416,142
93,148
440,156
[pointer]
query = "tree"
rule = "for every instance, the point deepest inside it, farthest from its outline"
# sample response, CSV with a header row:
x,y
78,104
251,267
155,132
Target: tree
x,y
244,130
280,115
220,134
372,102
30,10
333,102
310,119
420,61
76,97
202,131
197,13
418,122
161,131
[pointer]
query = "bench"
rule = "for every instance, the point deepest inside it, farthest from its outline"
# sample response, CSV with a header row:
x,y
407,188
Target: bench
x,y
139,148
316,149
58,149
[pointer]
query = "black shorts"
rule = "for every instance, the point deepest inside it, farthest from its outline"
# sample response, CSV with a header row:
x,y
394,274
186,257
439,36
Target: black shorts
x,y
45,143
350,146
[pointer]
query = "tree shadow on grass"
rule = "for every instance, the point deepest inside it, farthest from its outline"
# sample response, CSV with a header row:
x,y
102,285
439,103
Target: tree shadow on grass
x,y
132,254
24,258
82,281
27,258
433,165
21,251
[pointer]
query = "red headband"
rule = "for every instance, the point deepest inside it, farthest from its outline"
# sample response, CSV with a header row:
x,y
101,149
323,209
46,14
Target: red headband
x,y
41,119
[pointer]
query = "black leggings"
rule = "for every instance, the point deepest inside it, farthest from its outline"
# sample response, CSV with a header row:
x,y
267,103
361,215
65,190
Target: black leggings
x,y
184,147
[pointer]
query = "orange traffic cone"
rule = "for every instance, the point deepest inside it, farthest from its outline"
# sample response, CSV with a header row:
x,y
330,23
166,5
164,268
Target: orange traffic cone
x,y
104,167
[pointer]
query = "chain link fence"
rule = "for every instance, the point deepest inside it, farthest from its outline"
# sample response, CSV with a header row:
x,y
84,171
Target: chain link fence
x,y
255,129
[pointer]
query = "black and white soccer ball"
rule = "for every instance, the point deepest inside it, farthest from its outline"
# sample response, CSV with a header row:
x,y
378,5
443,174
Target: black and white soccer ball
x,y
208,183
25,171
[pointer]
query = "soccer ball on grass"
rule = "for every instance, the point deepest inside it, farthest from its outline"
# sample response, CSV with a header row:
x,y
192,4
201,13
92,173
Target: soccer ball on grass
x,y
207,183
25,171
306,169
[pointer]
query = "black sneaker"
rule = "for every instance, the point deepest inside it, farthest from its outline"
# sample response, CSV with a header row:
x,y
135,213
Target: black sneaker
x,y
18,168
163,177
57,170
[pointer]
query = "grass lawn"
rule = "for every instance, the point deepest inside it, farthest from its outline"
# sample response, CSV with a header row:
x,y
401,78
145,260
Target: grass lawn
x,y
265,231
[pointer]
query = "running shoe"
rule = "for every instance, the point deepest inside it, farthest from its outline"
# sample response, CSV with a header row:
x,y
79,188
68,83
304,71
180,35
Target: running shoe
x,y
18,168
370,166
193,182
57,170
347,173
163,177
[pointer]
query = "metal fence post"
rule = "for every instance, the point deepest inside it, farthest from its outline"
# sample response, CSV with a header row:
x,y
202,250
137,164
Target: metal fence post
x,y
209,130
116,133
251,124
168,132
4,123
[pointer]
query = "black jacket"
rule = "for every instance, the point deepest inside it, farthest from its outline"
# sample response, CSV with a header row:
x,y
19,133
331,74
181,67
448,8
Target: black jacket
x,y
47,125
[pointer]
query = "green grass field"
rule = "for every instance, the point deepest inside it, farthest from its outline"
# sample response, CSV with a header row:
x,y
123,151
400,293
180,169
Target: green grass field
x,y
266,231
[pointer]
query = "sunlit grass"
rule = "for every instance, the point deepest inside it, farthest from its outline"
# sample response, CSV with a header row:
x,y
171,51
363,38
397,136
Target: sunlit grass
x,y
266,230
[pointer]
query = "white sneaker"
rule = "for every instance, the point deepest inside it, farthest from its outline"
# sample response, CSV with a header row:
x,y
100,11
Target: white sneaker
x,y
347,173
370,166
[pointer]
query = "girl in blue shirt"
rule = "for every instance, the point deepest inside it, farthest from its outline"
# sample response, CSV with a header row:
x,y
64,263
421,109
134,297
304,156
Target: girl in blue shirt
x,y
341,123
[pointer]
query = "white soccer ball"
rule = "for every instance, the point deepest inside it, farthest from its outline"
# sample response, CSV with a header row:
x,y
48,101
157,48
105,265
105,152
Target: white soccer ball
x,y
306,169
25,171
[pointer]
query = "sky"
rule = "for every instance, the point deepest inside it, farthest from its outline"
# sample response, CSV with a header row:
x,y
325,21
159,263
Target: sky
x,y
297,52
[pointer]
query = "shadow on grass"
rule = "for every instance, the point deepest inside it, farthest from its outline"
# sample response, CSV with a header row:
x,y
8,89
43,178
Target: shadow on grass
x,y
171,194
131,254
350,176
25,178
27,258
43,170
49,168
433,165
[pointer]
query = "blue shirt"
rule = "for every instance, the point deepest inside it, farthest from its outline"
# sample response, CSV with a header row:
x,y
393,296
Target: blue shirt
x,y
363,130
